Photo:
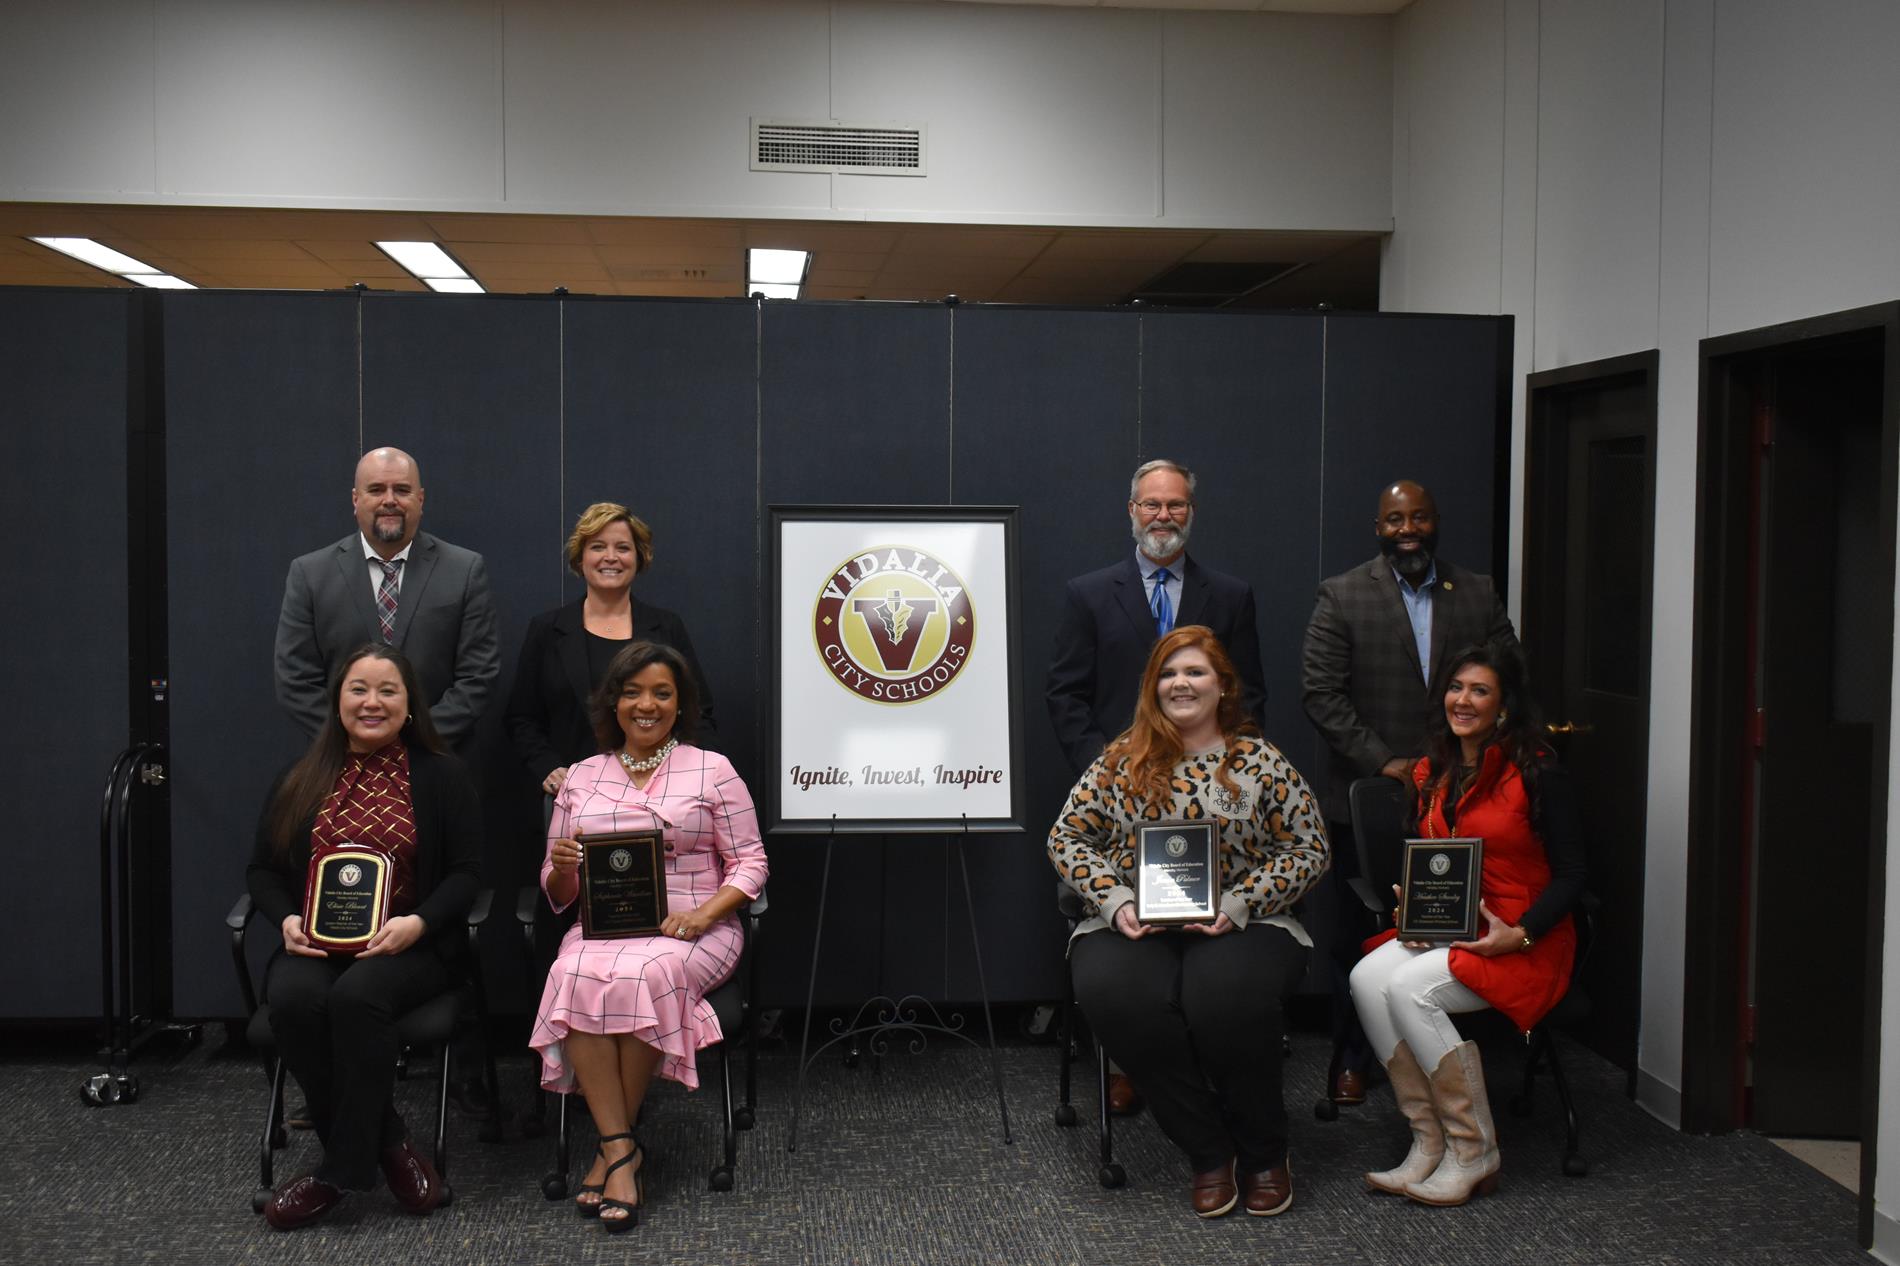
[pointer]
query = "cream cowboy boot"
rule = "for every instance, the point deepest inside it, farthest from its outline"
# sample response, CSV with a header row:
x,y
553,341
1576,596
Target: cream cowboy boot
x,y
1414,1094
1470,1162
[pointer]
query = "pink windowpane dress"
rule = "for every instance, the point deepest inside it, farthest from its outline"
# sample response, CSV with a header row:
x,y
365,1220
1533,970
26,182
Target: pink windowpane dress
x,y
653,987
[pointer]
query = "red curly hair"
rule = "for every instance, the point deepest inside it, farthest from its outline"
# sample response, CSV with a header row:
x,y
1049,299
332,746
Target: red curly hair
x,y
1151,747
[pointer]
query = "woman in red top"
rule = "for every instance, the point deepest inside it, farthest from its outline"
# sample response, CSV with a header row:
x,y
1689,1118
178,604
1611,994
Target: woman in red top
x,y
1485,774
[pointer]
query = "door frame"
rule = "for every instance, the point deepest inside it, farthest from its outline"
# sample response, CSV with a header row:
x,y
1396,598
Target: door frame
x,y
1545,470
1714,947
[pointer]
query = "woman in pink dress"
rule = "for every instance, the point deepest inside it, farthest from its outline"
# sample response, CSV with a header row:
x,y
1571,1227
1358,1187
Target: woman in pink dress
x,y
616,1012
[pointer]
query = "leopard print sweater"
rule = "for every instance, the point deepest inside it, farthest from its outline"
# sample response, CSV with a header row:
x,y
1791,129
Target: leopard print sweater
x,y
1273,838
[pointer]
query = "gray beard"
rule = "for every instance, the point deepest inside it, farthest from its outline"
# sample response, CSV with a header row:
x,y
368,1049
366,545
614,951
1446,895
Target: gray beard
x,y
1154,548
388,536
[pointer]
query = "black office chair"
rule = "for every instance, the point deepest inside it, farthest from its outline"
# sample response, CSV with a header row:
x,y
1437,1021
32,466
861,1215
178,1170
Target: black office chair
x,y
433,1024
1381,819
1109,1172
735,1001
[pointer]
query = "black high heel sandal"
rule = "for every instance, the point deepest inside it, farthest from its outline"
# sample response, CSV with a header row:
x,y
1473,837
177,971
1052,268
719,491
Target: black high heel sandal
x,y
615,1226
592,1209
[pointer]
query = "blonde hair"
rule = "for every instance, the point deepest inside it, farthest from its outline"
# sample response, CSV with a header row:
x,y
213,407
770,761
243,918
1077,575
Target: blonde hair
x,y
594,520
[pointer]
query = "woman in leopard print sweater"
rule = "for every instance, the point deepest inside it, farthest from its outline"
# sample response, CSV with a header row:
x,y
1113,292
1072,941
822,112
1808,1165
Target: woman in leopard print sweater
x,y
1193,1014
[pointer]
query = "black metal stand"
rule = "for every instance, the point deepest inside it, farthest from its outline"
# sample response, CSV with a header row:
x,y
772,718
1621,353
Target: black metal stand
x,y
879,1016
125,1031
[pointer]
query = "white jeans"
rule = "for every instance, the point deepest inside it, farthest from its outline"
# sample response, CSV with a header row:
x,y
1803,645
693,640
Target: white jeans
x,y
1408,995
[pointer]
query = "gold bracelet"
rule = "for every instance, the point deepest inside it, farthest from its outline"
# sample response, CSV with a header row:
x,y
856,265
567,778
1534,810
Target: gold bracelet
x,y
1528,941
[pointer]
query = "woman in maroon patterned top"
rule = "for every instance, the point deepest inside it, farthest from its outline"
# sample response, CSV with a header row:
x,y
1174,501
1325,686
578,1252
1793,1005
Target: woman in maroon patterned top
x,y
375,778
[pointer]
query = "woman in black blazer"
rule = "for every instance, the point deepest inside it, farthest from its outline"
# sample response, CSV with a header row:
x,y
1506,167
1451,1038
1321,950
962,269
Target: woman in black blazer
x,y
375,778
567,650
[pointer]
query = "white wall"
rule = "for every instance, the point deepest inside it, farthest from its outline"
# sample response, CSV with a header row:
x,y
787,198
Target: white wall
x,y
1701,167
1034,115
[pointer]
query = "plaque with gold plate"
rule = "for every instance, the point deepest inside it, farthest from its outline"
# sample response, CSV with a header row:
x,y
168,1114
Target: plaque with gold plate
x,y
346,897
623,884
1438,890
1177,872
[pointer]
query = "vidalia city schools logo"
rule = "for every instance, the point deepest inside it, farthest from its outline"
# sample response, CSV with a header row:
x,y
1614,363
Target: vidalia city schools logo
x,y
350,875
894,624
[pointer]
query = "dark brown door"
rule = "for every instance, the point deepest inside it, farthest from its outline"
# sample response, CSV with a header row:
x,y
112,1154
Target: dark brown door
x,y
1820,688
1587,629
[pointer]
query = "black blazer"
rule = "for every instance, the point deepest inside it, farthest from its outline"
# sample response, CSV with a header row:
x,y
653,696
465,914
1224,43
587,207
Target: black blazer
x,y
448,863
1102,645
547,708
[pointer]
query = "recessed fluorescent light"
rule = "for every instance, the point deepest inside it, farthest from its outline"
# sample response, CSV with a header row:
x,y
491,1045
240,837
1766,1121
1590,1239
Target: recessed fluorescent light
x,y
772,289
455,285
424,259
787,267
99,255
160,281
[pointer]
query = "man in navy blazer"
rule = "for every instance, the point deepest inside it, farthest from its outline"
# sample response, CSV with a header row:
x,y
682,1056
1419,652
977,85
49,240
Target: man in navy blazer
x,y
388,582
1109,621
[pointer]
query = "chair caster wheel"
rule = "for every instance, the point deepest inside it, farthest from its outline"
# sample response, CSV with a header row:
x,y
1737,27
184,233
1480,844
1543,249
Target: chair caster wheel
x,y
743,1118
448,1195
720,1179
554,1186
1112,1175
1575,1167
1065,1115
259,1199
279,1140
1326,1110
1520,1105
102,1090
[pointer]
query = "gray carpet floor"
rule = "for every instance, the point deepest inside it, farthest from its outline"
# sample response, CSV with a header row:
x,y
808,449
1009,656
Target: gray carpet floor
x,y
899,1161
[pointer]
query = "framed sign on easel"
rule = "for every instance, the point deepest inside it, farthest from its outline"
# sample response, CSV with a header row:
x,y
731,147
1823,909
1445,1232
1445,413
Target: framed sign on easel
x,y
896,706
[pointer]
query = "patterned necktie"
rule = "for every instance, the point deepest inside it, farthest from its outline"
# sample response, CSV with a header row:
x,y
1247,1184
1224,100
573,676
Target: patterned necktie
x,y
386,598
1163,609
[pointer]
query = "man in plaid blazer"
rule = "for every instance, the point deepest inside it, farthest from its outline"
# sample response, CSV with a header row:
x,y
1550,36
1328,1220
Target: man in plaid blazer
x,y
1372,678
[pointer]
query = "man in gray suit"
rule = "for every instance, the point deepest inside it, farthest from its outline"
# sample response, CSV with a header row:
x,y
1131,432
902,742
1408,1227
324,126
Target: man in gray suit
x,y
387,582
1372,679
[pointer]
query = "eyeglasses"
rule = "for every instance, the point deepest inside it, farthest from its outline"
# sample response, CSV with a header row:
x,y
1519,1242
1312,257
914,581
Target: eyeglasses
x,y
1176,509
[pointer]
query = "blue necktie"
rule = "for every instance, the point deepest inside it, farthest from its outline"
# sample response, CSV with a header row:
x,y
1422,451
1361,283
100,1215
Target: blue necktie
x,y
1163,609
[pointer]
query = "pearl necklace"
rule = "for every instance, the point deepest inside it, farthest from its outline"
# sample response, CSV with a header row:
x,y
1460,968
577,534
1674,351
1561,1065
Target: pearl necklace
x,y
651,763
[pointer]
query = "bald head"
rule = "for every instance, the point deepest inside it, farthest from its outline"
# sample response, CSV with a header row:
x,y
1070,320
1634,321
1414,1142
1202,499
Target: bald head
x,y
387,498
1407,528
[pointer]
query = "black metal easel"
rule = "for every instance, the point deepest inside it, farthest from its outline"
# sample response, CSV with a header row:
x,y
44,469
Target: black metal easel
x,y
121,885
880,1015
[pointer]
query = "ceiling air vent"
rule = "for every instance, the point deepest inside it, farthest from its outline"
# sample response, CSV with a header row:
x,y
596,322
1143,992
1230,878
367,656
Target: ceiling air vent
x,y
861,149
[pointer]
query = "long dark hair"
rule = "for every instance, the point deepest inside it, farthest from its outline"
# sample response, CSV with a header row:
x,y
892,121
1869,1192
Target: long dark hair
x,y
313,777
604,708
1151,747
1520,729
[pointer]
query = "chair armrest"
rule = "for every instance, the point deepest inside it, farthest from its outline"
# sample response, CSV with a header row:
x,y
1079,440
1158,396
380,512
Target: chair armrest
x,y
1069,903
1363,889
757,906
240,913
478,913
236,921
527,898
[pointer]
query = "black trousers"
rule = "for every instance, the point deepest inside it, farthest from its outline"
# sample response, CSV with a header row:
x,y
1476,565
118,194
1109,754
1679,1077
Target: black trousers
x,y
334,1020
1196,1022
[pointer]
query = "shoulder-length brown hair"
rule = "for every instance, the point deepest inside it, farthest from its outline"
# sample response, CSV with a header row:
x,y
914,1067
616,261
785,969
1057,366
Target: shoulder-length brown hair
x,y
301,792
595,519
604,707
1151,747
